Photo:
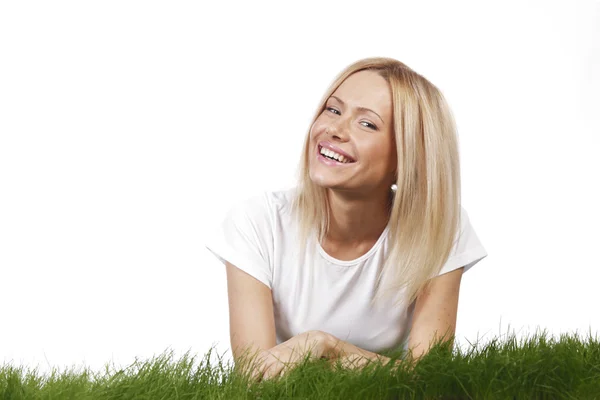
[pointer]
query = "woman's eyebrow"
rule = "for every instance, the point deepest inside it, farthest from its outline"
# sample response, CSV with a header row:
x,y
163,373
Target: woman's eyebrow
x,y
358,108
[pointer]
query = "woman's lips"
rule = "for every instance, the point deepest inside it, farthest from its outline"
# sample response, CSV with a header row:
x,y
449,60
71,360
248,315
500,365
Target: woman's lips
x,y
333,148
329,161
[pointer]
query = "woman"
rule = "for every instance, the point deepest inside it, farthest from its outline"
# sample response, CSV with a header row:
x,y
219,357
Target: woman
x,y
371,244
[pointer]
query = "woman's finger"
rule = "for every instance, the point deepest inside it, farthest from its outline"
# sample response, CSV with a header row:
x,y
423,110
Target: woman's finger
x,y
258,372
283,372
274,370
269,374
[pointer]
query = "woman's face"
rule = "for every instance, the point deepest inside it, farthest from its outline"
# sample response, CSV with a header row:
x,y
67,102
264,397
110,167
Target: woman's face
x,y
365,138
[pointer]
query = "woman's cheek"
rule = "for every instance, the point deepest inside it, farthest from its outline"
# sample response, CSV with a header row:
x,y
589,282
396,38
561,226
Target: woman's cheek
x,y
315,129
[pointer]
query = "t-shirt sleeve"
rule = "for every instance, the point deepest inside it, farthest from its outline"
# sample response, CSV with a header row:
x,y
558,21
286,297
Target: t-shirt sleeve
x,y
245,238
467,250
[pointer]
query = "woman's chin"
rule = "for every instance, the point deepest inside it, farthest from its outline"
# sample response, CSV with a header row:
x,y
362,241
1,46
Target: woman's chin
x,y
328,184
323,181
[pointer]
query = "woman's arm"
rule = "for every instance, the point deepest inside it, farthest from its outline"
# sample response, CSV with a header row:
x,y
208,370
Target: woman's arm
x,y
354,357
252,330
436,308
251,318
351,356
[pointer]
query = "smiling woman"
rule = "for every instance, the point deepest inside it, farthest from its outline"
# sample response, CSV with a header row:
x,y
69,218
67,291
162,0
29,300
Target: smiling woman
x,y
366,253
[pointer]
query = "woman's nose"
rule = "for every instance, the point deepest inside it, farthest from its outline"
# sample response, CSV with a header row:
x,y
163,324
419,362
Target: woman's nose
x,y
338,130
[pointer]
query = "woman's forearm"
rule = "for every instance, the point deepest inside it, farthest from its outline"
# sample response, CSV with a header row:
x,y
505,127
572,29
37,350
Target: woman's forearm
x,y
351,356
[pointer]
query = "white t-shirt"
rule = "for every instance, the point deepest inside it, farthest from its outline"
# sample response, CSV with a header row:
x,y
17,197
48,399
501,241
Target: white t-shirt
x,y
258,236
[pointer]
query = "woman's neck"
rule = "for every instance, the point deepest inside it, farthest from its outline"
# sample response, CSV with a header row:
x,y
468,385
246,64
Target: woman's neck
x,y
356,220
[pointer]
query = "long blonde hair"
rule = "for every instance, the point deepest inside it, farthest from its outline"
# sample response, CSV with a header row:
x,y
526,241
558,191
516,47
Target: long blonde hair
x,y
425,209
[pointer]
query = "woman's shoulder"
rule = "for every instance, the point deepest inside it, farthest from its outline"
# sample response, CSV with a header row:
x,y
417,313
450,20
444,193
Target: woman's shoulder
x,y
281,200
272,203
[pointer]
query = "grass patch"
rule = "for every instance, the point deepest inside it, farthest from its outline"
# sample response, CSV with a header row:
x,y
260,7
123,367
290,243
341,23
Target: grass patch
x,y
538,367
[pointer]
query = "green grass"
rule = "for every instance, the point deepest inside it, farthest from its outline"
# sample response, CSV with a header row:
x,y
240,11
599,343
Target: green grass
x,y
540,367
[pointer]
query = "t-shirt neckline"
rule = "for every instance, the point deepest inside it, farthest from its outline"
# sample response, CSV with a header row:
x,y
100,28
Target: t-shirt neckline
x,y
368,254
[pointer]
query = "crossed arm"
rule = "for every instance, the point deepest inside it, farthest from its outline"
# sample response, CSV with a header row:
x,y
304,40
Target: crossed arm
x,y
252,324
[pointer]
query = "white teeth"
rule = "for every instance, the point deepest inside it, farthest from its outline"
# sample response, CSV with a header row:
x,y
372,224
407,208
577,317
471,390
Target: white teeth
x,y
334,155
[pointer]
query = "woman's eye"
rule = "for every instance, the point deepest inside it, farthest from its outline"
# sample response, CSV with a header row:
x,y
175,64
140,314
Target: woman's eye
x,y
370,125
367,124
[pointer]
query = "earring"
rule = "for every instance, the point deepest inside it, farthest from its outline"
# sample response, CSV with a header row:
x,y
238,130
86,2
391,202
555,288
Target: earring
x,y
394,187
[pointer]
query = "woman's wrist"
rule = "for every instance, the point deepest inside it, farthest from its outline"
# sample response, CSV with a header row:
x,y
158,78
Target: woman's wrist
x,y
334,349
327,343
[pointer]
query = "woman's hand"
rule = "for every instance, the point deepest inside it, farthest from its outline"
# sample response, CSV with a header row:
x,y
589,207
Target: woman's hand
x,y
278,360
351,361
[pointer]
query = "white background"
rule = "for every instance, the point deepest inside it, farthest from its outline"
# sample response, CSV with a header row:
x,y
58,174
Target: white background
x,y
127,130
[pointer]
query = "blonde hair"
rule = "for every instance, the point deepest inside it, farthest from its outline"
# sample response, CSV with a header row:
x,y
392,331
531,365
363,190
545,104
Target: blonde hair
x,y
425,209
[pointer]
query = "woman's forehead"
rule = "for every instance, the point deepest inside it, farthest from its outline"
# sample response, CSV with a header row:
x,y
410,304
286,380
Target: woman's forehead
x,y
366,89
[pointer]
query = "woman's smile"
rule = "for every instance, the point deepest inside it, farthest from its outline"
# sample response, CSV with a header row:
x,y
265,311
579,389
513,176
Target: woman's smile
x,y
332,156
331,162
